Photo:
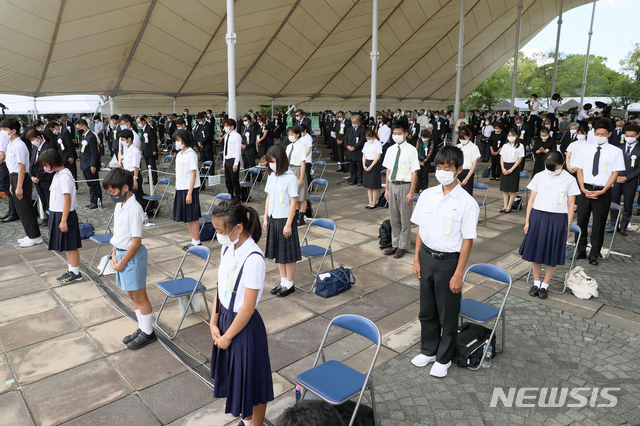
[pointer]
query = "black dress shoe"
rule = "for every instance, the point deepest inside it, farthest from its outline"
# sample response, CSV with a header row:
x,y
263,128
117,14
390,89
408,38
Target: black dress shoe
x,y
283,292
581,256
93,206
543,293
142,340
276,289
10,219
89,205
5,216
131,337
533,291
593,261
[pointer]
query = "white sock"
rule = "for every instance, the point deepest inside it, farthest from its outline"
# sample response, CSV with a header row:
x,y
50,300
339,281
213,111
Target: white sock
x,y
536,284
247,422
545,286
283,281
287,284
195,242
138,315
75,269
145,323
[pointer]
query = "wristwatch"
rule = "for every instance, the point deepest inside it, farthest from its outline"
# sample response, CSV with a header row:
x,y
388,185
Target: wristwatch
x,y
135,177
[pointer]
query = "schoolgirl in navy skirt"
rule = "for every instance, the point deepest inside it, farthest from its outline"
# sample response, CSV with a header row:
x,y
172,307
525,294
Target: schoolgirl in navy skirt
x,y
549,217
186,203
64,227
283,242
240,364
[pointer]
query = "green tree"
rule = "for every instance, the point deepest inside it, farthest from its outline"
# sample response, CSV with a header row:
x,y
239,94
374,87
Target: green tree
x,y
624,92
631,63
492,91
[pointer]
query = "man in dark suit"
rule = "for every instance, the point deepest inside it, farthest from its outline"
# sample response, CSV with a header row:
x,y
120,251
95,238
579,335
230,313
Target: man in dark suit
x,y
41,180
69,126
160,123
203,136
187,118
340,130
439,131
414,131
170,126
617,136
90,162
249,133
522,130
300,119
67,150
354,141
568,138
149,145
627,181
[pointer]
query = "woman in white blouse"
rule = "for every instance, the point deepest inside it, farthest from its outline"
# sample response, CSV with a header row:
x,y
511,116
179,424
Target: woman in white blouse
x,y
511,155
371,153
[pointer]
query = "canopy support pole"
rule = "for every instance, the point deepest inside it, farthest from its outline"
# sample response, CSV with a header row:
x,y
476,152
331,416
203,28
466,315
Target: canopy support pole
x,y
586,60
374,55
459,66
35,108
174,105
272,107
110,106
554,79
231,58
516,50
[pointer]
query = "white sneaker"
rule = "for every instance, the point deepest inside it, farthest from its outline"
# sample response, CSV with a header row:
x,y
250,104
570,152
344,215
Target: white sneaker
x,y
31,242
21,240
422,360
440,370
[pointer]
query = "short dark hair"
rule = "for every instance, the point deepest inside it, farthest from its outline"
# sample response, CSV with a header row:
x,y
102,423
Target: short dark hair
x,y
369,133
50,157
602,123
279,155
184,135
425,133
82,122
587,106
303,127
632,127
115,117
125,134
234,212
401,124
210,111
464,131
552,159
247,116
450,154
230,122
180,121
53,124
117,178
295,129
534,95
126,118
310,413
544,130
199,116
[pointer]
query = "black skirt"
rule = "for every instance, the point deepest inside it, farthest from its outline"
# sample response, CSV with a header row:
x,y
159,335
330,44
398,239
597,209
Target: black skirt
x,y
183,212
510,183
372,179
282,250
469,186
546,241
64,241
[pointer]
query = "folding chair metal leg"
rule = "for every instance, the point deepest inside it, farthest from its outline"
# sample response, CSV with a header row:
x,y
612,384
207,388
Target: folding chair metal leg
x,y
158,318
326,209
504,322
373,402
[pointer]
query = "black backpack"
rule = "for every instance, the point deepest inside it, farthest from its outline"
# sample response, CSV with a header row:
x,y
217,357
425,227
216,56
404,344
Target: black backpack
x,y
517,203
470,345
364,417
384,234
382,202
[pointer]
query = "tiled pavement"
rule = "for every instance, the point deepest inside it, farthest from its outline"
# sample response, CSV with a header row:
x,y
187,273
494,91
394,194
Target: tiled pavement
x,y
62,362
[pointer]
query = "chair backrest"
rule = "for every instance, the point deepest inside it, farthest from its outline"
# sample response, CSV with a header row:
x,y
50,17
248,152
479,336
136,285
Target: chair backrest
x,y
164,181
490,271
254,171
321,182
207,163
482,186
200,251
524,175
108,227
324,223
614,206
415,199
575,228
320,163
223,196
317,152
359,325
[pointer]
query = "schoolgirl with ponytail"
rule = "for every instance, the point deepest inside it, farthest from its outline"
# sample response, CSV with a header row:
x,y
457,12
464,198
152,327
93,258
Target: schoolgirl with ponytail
x,y
240,364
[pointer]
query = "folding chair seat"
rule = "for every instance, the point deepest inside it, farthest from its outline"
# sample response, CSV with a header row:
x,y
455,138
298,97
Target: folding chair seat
x,y
482,313
207,166
181,287
321,199
335,382
311,251
100,240
157,197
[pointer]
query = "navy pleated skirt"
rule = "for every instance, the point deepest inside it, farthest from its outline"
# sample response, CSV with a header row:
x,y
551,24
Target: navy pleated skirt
x,y
242,373
546,241
183,212
64,241
282,250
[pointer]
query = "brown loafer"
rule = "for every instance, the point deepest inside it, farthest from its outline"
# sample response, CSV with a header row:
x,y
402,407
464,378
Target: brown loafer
x,y
623,232
399,253
390,251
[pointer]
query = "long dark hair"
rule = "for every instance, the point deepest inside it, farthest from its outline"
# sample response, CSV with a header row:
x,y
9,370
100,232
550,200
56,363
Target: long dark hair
x,y
234,212
514,133
278,154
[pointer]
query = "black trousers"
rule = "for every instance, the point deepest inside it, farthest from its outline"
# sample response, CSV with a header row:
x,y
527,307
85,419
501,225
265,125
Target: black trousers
x,y
43,191
423,177
151,161
232,179
95,192
627,191
469,186
5,184
496,169
342,157
357,170
439,307
600,210
25,208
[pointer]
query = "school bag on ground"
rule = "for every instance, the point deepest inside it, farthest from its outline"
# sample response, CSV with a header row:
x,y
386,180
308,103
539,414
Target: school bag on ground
x,y
207,232
470,345
517,203
86,230
382,202
486,172
582,285
384,234
334,282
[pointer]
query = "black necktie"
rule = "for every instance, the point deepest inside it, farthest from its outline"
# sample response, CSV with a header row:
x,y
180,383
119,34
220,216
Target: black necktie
x,y
226,145
628,151
596,162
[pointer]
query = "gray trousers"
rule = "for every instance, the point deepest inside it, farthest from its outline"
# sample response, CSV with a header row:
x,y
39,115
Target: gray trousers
x,y
400,215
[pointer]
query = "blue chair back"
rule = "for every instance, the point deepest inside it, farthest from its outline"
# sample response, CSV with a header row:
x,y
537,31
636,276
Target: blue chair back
x,y
415,199
320,163
384,172
491,271
324,223
614,206
200,251
575,228
223,196
164,181
524,175
254,171
478,185
169,157
321,182
207,163
317,152
359,325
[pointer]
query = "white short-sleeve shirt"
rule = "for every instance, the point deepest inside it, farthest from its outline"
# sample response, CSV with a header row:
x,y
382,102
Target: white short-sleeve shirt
x,y
510,153
574,149
471,153
131,158
4,143
17,153
308,143
553,192
62,183
281,189
407,164
127,223
253,273
297,153
445,221
186,161
611,160
371,149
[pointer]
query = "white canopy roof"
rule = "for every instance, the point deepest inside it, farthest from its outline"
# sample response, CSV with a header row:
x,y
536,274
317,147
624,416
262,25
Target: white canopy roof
x,y
290,50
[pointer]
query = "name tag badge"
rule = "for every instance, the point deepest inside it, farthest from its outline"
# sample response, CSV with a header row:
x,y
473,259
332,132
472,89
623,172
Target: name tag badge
x,y
438,126
182,172
513,155
448,226
560,197
146,139
606,167
633,161
281,197
426,150
404,167
53,194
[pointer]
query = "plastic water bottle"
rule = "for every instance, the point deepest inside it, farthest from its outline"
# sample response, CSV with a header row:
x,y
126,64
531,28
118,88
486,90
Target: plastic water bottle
x,y
146,218
298,393
486,361
99,204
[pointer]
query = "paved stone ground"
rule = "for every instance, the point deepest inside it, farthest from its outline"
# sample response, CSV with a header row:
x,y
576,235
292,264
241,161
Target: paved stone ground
x,y
67,337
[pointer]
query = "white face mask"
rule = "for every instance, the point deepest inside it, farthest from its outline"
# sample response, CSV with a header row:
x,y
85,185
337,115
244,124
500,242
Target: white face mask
x,y
555,172
246,123
581,137
272,166
601,140
225,240
292,138
227,129
464,141
544,138
573,131
35,142
56,132
487,123
630,139
398,138
179,145
445,177
4,134
511,139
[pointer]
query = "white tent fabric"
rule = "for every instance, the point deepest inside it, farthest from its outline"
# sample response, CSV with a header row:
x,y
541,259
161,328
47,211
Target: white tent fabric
x,y
288,50
68,104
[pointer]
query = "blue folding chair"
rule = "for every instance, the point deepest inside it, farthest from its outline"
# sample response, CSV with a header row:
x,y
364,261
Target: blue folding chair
x,y
335,382
207,217
483,204
527,176
481,313
318,153
252,175
569,254
157,197
100,240
207,166
166,162
180,287
311,251
321,199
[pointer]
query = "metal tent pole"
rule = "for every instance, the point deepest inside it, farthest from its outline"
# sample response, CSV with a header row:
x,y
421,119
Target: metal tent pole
x,y
374,55
554,79
459,66
586,60
231,58
110,106
174,105
35,108
516,49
